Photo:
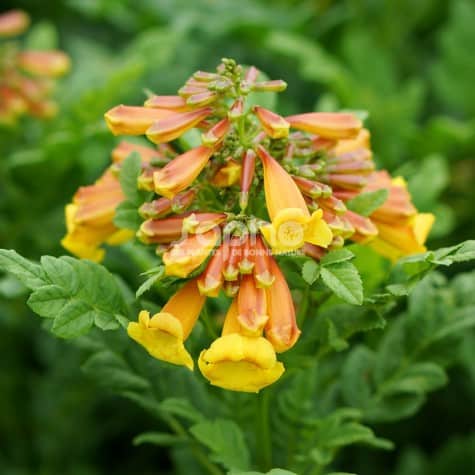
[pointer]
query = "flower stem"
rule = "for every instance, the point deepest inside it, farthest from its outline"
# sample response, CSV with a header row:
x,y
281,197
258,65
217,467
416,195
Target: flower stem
x,y
264,436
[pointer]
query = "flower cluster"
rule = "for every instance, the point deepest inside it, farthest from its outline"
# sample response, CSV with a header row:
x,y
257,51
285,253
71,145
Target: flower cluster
x,y
210,227
26,77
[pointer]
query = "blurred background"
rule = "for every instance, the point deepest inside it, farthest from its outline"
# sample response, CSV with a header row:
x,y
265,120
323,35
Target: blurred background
x,y
408,66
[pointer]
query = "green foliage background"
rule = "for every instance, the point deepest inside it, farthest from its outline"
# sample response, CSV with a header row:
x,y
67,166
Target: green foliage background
x,y
410,66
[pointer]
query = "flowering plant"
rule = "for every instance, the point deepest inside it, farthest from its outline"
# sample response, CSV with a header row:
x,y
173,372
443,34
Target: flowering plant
x,y
246,219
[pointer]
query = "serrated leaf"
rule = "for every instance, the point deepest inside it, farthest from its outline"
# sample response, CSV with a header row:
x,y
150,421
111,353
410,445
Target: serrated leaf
x,y
338,255
158,438
112,372
48,301
129,173
356,377
366,203
147,285
310,272
344,280
75,319
225,440
25,271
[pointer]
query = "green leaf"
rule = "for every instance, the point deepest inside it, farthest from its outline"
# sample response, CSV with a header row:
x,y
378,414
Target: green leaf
x,y
225,440
147,285
25,271
129,173
344,280
274,471
356,377
310,271
75,319
111,371
336,256
158,438
48,301
182,408
127,217
42,36
418,378
366,203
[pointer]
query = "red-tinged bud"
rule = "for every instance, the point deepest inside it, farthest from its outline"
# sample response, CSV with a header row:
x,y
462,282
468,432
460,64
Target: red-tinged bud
x,y
333,204
192,82
314,189
187,91
247,175
273,124
175,103
251,75
269,86
201,99
156,208
204,76
232,259
211,280
252,306
322,144
344,167
171,127
313,251
362,140
359,154
281,329
216,134
161,231
44,63
332,125
231,288
237,109
130,120
262,267
180,173
365,230
124,149
13,22
182,201
350,182
334,222
197,223
246,264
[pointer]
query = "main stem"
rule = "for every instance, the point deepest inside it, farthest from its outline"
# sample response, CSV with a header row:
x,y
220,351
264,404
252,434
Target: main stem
x,y
264,436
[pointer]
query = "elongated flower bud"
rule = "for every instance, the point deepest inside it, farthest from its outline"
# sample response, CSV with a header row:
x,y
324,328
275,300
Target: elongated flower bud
x,y
262,267
44,63
252,306
216,134
211,280
174,103
247,175
333,125
180,173
276,85
160,231
13,22
171,127
131,120
273,124
281,329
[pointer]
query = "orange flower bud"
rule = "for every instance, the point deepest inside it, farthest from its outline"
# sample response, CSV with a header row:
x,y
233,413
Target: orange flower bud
x,y
246,264
163,206
273,124
365,230
247,175
174,103
13,22
187,255
131,120
201,99
312,188
276,85
171,127
196,223
211,280
44,63
232,259
362,140
281,329
262,267
180,173
216,134
252,306
124,149
236,110
333,125
160,231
